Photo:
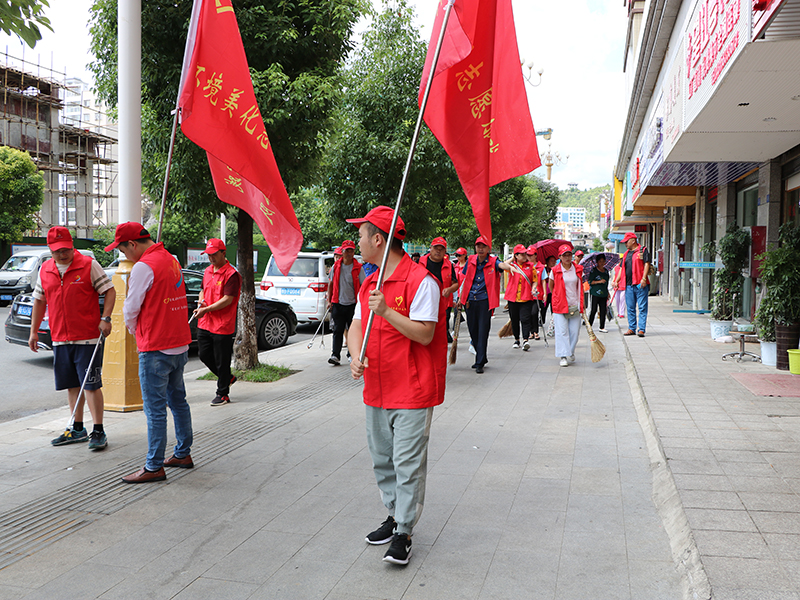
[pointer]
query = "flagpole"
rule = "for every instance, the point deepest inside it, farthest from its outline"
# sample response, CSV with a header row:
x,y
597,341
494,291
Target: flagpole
x,y
404,182
166,175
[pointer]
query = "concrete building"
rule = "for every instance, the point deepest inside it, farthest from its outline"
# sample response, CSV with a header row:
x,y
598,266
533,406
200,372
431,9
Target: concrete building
x,y
75,160
712,134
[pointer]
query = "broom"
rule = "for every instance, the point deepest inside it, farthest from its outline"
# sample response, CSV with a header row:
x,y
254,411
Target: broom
x,y
598,349
505,330
451,360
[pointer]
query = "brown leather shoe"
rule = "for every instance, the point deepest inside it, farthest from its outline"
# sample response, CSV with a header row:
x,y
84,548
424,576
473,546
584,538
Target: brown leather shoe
x,y
629,332
145,476
182,463
640,334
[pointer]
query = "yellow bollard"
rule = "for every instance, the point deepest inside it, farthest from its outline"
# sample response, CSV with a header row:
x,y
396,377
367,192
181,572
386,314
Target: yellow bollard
x,y
121,389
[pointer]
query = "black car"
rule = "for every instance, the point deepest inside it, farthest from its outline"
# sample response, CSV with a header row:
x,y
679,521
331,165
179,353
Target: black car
x,y
275,320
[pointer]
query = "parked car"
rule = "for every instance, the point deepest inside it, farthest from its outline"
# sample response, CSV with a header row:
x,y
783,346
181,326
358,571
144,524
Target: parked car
x,y
18,275
275,320
199,265
305,287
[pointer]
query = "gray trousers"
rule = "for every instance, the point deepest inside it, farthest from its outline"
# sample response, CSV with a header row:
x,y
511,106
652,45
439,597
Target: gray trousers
x,y
398,443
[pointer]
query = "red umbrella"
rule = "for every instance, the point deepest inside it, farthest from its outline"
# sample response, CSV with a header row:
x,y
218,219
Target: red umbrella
x,y
547,248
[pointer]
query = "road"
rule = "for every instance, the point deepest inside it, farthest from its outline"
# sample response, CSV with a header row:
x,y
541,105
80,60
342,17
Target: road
x,y
27,378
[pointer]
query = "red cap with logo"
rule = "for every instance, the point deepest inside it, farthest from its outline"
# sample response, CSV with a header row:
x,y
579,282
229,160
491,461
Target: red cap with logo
x,y
213,246
338,251
381,217
482,240
629,236
439,241
531,250
564,248
59,238
520,249
127,232
579,253
461,251
347,244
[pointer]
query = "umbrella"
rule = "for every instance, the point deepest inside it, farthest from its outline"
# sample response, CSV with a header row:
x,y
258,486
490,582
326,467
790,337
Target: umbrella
x,y
590,262
548,248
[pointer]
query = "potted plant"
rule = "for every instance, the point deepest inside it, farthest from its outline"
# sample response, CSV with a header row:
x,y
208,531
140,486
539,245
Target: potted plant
x,y
732,249
765,327
780,273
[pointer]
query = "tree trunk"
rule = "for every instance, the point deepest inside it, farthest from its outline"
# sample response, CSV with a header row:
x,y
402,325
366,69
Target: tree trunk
x,y
245,348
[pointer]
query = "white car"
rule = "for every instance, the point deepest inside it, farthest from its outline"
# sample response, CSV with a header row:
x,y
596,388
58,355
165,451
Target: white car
x,y
18,275
305,287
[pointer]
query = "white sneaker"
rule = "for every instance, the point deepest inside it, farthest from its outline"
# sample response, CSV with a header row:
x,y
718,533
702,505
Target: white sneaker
x,y
572,358
515,346
603,330
564,362
526,345
472,348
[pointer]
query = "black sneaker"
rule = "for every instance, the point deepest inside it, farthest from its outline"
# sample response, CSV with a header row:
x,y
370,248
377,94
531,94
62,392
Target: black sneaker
x,y
400,550
233,380
97,440
383,534
334,360
220,400
71,436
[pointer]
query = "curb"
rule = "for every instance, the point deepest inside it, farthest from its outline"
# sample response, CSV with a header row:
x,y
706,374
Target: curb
x,y
694,579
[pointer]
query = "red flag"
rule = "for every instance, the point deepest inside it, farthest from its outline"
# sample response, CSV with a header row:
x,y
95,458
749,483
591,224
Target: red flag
x,y
220,114
477,106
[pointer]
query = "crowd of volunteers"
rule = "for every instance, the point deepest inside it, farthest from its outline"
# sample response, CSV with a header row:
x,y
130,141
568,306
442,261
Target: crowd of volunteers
x,y
416,311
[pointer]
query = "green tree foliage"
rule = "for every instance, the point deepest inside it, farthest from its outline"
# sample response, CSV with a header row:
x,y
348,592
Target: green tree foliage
x,y
21,193
588,199
293,51
23,18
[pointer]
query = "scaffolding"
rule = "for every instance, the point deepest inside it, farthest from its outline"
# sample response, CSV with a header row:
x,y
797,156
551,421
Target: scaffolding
x,y
76,156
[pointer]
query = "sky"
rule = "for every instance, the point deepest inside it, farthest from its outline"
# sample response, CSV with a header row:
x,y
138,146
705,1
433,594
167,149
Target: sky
x,y
578,43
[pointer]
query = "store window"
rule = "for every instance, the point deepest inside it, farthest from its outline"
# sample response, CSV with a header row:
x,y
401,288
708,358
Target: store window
x,y
747,206
790,212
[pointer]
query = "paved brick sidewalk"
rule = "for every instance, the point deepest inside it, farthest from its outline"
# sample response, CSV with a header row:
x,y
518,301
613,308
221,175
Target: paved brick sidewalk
x,y
540,486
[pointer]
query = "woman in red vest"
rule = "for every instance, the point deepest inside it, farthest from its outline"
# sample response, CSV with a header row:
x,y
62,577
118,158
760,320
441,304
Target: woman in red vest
x,y
567,304
522,294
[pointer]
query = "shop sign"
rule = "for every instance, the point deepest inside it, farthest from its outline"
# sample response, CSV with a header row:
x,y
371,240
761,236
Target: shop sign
x,y
717,33
763,11
672,94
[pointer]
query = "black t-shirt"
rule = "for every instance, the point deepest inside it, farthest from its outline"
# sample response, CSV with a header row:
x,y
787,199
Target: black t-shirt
x,y
435,269
629,265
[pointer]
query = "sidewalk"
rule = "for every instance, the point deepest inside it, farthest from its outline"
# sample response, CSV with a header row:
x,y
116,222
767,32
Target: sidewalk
x,y
544,482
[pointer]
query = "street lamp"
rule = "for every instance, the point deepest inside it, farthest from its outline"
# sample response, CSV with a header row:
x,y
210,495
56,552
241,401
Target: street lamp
x,y
550,158
529,76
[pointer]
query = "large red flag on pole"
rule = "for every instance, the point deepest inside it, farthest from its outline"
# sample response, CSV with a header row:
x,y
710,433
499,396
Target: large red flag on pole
x,y
478,109
219,113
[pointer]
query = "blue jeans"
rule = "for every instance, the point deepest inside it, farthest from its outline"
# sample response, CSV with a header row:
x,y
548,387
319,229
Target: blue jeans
x,y
161,379
637,295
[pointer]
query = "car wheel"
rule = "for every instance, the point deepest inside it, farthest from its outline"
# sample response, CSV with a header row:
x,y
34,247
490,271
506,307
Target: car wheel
x,y
274,331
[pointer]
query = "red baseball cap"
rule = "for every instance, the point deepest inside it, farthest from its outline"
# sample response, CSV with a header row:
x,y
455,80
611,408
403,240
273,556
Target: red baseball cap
x,y
381,217
347,244
629,236
564,248
338,251
482,240
213,246
579,253
439,241
531,250
461,251
127,232
59,238
520,249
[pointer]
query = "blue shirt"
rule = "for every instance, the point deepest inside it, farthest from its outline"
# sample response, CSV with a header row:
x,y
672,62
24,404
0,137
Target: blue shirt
x,y
478,289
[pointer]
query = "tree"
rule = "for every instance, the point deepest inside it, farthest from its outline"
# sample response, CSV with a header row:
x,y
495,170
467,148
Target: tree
x,y
23,17
21,193
293,50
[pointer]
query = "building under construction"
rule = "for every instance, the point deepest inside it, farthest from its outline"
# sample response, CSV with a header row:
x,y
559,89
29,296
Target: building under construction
x,y
75,156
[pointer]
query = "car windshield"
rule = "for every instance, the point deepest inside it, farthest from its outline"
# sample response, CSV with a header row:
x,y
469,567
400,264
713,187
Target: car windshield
x,y
20,263
302,267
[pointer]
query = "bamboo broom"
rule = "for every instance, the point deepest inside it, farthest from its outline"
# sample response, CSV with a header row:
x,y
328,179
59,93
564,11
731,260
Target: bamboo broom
x,y
505,330
598,349
451,360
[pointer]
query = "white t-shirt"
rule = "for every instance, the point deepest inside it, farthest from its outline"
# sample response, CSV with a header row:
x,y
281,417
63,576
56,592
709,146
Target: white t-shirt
x,y
571,286
425,306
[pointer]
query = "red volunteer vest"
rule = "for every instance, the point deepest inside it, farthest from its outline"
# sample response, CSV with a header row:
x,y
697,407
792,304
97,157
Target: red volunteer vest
x,y
637,264
621,283
402,373
334,277
514,279
560,292
490,273
73,304
222,322
164,318
447,278
539,281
